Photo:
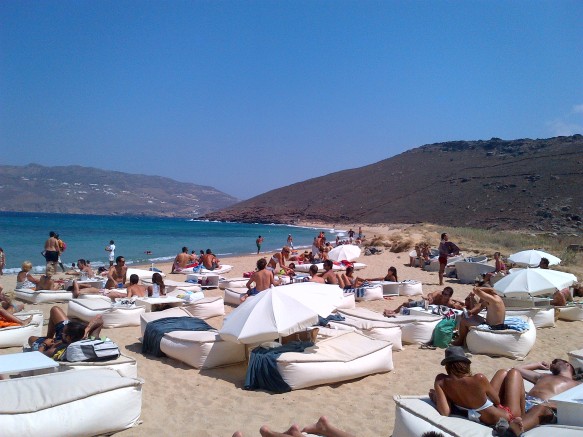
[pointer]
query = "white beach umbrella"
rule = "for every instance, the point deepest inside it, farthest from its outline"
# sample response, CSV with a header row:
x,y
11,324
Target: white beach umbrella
x,y
533,282
280,311
349,252
531,258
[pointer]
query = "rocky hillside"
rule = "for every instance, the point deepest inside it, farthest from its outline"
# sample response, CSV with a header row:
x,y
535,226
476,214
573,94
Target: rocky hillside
x,y
85,190
495,184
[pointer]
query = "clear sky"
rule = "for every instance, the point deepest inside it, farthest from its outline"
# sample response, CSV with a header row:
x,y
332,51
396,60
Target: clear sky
x,y
248,96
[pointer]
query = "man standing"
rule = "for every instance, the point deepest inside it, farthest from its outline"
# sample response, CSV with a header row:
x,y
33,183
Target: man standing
x,y
446,249
51,253
290,241
258,242
350,235
111,250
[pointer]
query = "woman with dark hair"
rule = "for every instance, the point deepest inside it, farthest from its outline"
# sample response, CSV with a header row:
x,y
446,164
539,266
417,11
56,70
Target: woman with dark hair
x,y
391,276
157,288
471,394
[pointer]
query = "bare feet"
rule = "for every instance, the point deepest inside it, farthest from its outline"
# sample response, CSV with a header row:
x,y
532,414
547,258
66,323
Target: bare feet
x,y
237,433
516,426
389,313
26,321
325,428
293,431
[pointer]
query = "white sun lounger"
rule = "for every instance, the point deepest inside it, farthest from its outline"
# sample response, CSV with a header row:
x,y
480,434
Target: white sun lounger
x,y
69,404
42,296
13,336
113,317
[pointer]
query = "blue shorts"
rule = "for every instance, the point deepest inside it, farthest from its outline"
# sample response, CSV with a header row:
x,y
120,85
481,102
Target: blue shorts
x,y
252,292
59,327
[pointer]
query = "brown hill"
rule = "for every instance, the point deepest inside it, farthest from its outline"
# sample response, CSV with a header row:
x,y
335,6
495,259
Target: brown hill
x,y
85,190
515,184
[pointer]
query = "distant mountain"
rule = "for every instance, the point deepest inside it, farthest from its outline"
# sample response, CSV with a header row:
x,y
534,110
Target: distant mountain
x,y
524,183
86,190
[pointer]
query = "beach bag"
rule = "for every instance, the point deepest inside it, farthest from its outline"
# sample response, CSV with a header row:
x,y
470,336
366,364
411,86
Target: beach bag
x,y
443,333
92,350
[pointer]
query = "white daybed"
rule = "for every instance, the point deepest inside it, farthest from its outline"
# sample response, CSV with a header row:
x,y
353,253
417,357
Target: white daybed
x,y
42,296
72,404
433,265
207,307
225,268
233,295
401,288
113,316
233,283
506,343
467,271
13,336
145,318
201,349
416,415
379,330
415,328
142,274
541,317
124,365
172,286
335,359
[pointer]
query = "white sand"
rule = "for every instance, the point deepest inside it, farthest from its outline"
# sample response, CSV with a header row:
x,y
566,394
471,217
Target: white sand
x,y
178,400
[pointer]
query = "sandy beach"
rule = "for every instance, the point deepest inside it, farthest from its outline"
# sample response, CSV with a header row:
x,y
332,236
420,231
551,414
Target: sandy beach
x,y
178,400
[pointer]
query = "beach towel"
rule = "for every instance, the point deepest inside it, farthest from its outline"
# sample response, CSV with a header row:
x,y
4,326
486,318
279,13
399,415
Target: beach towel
x,y
323,321
156,329
262,373
514,323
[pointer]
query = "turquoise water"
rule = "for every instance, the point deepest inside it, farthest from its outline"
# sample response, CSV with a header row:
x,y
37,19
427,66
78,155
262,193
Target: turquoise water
x,y
22,236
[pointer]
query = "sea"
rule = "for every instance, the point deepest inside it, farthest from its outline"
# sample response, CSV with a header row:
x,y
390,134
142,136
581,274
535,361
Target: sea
x,y
141,240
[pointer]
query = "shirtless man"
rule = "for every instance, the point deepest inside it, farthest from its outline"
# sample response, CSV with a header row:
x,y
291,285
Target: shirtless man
x,y
279,258
181,260
326,250
116,276
83,268
52,252
329,276
258,243
536,409
262,278
442,298
495,313
561,297
210,261
314,275
135,289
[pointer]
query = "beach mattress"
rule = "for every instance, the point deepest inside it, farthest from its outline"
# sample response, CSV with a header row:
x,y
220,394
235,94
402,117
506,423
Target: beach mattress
x,y
571,313
72,404
145,318
113,317
233,295
576,359
379,330
507,343
467,272
207,307
124,365
42,296
233,283
341,358
416,415
415,328
541,317
201,349
142,273
172,286
348,301
402,288
14,336
433,265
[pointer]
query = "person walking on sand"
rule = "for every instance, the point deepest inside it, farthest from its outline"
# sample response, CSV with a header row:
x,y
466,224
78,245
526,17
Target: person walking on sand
x,y
446,249
111,249
262,278
51,253
2,261
290,241
62,247
259,242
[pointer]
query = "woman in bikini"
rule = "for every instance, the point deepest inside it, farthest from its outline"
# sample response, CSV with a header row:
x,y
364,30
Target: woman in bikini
x,y
470,394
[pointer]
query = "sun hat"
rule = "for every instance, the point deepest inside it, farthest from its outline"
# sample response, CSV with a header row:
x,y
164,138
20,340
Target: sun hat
x,y
453,354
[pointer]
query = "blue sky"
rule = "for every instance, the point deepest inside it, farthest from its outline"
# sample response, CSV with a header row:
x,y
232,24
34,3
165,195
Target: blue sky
x,y
248,96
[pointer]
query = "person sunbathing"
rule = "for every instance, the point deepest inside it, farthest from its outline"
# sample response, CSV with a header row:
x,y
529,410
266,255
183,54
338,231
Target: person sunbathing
x,y
534,408
561,297
442,298
24,279
158,287
61,332
495,313
470,393
348,280
391,276
499,268
117,274
7,302
210,261
322,427
134,289
7,319
181,260
262,278
329,276
84,268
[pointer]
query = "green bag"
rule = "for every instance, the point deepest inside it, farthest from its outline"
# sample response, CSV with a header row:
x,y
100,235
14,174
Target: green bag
x,y
443,333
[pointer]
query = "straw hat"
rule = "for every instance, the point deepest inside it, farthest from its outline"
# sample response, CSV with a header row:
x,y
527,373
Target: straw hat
x,y
454,354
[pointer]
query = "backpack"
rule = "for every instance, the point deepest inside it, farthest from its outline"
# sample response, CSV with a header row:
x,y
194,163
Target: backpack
x,y
443,333
92,350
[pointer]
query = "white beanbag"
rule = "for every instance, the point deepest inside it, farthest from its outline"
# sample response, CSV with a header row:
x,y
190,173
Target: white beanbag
x,y
233,295
201,349
124,365
571,313
112,316
542,317
335,359
415,329
42,296
145,318
506,343
207,307
348,301
467,272
233,283
142,274
373,292
379,330
71,404
416,415
402,288
18,335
